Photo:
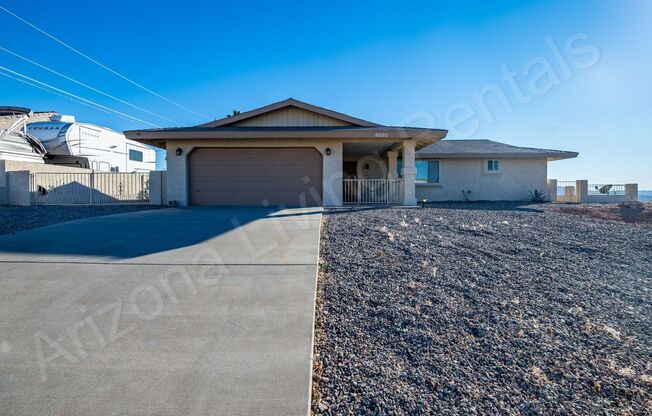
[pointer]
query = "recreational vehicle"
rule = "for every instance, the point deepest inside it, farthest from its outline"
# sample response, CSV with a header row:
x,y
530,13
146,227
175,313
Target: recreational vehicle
x,y
89,146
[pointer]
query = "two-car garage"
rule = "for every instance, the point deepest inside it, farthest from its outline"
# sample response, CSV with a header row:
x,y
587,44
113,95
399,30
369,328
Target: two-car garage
x,y
255,176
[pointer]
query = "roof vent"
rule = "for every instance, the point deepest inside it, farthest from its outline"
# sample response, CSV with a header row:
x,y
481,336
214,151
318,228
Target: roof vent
x,y
63,118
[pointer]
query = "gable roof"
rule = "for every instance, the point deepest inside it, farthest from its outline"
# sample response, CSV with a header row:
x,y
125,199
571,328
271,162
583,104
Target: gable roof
x,y
483,148
289,119
290,102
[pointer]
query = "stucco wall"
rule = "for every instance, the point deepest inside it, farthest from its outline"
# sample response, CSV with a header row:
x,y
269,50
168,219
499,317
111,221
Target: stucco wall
x,y
7,166
177,169
514,181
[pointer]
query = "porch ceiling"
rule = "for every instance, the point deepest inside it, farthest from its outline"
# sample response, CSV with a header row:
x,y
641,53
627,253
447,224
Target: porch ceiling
x,y
366,148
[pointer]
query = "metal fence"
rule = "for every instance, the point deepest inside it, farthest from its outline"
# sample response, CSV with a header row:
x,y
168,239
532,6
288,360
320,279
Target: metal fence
x,y
567,191
606,189
372,191
93,188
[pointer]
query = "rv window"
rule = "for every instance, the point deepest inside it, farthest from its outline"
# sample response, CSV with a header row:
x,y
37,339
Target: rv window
x,y
135,155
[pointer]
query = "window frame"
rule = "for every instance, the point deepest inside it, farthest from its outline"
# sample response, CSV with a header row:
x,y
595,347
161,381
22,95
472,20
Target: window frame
x,y
426,181
495,163
141,157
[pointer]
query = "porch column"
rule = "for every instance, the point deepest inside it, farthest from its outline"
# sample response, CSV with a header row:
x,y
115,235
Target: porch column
x,y
392,172
409,172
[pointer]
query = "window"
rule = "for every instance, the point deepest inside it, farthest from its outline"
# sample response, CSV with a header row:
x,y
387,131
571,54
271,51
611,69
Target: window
x,y
135,155
433,171
427,170
493,165
115,169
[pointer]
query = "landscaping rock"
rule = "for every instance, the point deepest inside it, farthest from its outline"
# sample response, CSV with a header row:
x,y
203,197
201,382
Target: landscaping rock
x,y
483,308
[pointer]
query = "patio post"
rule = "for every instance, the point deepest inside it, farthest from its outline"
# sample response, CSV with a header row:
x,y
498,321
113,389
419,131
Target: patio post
x,y
392,157
409,172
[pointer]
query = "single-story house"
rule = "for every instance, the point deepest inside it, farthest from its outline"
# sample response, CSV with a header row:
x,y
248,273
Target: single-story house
x,y
482,170
296,154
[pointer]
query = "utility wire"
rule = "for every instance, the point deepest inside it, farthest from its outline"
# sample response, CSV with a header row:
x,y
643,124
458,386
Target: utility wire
x,y
102,65
60,95
86,85
78,97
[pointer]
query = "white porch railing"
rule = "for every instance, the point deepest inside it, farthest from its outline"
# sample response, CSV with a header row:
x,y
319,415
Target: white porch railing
x,y
372,191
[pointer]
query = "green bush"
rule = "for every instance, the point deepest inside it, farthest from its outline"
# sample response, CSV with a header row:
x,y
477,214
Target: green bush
x,y
537,196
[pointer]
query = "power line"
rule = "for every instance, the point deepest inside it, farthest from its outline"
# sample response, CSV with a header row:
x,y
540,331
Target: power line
x,y
60,95
102,65
86,85
78,97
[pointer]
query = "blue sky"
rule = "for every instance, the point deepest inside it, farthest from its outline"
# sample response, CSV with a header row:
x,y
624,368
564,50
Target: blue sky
x,y
417,63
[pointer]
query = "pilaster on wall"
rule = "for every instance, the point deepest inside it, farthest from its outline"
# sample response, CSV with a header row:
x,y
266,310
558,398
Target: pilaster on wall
x,y
409,173
18,188
552,190
631,191
582,190
156,190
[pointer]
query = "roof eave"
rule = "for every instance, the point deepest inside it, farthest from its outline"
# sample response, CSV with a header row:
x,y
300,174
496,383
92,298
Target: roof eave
x,y
547,156
418,134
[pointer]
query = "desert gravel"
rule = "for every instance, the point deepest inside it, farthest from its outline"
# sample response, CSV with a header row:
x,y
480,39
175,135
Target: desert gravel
x,y
483,309
13,219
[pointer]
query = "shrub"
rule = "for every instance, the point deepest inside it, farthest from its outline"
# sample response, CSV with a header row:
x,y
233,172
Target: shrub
x,y
537,196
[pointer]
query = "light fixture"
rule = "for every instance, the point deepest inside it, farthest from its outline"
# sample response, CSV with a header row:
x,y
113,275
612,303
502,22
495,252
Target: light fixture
x,y
423,202
179,151
366,166
328,151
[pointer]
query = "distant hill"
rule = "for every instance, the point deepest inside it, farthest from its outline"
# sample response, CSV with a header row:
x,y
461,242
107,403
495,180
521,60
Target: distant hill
x,y
645,196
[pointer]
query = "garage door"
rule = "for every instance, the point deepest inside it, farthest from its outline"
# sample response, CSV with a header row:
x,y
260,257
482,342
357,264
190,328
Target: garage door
x,y
255,176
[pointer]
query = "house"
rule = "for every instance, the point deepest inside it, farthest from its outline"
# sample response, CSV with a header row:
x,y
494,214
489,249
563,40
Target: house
x,y
294,153
482,170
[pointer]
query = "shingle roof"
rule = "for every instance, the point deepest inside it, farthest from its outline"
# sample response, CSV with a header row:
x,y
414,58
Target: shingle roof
x,y
483,148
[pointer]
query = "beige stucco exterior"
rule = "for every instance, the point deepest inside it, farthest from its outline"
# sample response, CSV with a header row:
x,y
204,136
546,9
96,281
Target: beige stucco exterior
x,y
514,181
177,169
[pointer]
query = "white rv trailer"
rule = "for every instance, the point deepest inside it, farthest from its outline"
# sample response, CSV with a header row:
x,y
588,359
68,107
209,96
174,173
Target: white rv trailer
x,y
92,147
15,143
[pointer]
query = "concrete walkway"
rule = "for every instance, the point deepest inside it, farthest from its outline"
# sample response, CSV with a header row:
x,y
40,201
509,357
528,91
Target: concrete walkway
x,y
167,312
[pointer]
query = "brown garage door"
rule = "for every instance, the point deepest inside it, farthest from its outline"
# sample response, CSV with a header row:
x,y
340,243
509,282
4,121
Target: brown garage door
x,y
255,176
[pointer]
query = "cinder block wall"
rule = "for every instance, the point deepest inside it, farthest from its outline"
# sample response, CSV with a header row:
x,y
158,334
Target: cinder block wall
x,y
7,166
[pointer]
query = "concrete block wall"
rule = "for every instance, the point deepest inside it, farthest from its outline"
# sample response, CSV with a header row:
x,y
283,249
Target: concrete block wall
x,y
7,166
631,191
18,188
157,191
552,190
15,182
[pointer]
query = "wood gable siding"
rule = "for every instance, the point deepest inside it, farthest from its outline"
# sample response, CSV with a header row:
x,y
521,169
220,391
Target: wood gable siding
x,y
290,117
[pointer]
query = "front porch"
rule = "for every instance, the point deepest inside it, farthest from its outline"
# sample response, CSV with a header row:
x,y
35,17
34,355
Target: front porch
x,y
370,174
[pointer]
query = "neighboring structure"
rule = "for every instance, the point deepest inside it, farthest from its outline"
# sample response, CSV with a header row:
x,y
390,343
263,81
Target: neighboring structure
x,y
294,153
88,146
482,170
9,118
15,143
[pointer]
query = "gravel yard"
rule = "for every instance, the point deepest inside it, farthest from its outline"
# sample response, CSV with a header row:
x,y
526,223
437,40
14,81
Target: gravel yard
x,y
14,219
483,309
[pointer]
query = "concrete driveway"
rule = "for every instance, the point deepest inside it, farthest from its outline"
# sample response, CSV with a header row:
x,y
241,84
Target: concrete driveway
x,y
169,312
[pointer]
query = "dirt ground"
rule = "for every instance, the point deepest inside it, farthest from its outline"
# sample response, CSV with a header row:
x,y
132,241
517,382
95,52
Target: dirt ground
x,y
612,212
